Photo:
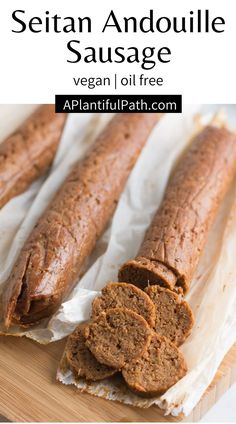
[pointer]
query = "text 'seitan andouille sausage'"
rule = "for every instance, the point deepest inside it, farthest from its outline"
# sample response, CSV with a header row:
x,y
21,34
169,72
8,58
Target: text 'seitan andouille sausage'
x,y
52,257
174,242
29,151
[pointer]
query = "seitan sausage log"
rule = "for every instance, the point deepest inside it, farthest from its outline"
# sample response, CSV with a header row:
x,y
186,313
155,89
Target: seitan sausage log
x,y
173,244
28,152
52,257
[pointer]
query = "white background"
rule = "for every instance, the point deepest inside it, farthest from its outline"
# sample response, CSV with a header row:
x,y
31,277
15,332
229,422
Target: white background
x,y
34,67
224,410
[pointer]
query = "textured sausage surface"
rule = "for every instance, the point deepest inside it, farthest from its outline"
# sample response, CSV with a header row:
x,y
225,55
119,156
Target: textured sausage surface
x,y
157,369
81,361
28,152
52,257
174,242
174,317
123,295
117,336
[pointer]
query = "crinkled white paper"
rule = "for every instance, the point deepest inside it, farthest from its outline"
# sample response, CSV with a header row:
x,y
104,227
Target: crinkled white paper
x,y
213,291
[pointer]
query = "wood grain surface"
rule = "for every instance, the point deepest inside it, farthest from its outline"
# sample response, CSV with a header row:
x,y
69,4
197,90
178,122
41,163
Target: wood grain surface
x,y
29,392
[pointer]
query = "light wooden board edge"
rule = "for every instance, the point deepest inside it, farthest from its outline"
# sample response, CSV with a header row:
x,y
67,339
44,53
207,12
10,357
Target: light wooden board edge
x,y
28,391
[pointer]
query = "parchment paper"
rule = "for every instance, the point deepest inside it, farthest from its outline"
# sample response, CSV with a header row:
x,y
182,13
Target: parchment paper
x,y
213,291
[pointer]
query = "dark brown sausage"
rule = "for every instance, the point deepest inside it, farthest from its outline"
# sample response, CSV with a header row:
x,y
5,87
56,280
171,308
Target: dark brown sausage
x,y
174,242
52,257
28,152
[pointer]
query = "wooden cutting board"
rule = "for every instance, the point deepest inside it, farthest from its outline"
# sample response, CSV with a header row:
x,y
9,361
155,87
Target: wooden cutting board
x,y
29,392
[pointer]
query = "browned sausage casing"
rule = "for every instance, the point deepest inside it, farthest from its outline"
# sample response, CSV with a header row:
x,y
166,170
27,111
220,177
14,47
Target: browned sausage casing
x,y
173,244
52,257
28,152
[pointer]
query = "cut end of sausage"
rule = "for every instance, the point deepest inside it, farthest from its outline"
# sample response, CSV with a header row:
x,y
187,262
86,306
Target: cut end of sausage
x,y
24,311
39,309
174,317
142,272
123,295
81,361
116,336
157,369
